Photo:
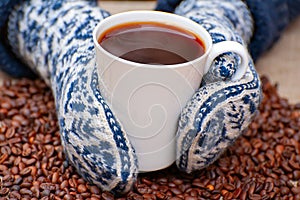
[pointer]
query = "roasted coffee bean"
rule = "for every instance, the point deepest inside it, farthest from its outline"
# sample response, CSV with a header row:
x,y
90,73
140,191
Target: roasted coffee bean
x,y
175,191
4,191
107,196
25,191
55,177
229,187
16,151
14,195
146,181
48,186
294,165
3,158
94,190
284,190
236,193
285,166
254,196
143,188
160,195
214,196
10,132
296,174
29,162
25,184
64,184
81,188
25,171
279,148
296,190
45,193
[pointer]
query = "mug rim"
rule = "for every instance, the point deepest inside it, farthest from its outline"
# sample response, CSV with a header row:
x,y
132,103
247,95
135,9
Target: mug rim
x,y
127,17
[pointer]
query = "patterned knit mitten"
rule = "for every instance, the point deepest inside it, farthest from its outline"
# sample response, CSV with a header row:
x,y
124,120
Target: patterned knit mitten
x,y
221,109
55,39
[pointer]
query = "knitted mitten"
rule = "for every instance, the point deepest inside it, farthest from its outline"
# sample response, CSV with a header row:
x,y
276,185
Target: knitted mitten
x,y
55,39
221,109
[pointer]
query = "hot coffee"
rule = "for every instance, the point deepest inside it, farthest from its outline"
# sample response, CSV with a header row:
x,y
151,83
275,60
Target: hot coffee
x,y
152,43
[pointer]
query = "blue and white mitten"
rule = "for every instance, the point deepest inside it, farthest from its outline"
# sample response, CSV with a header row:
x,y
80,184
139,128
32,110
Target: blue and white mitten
x,y
55,39
221,109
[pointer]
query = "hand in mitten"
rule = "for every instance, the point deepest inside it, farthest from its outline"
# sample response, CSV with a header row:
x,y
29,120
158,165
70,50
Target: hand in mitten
x,y
55,39
222,108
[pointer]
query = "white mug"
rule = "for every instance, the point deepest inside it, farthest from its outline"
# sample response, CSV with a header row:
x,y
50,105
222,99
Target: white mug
x,y
148,99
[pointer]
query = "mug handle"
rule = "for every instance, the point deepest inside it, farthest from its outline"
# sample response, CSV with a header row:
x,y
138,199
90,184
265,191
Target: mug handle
x,y
229,46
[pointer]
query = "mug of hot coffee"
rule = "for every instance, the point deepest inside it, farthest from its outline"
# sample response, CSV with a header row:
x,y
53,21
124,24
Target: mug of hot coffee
x,y
150,64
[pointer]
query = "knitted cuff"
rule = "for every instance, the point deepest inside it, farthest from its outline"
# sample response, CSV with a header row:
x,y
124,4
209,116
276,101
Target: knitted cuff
x,y
294,8
270,17
5,9
167,5
9,63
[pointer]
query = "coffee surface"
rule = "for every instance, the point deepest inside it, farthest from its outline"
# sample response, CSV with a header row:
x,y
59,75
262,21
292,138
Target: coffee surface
x,y
152,43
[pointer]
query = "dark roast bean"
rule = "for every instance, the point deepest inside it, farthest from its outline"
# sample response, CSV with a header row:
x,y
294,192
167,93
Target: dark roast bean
x,y
14,195
25,184
294,165
3,158
29,162
48,186
254,196
217,196
149,196
55,177
4,191
45,193
146,181
175,190
94,190
10,132
25,171
286,167
279,149
107,196
229,187
81,188
284,190
296,190
25,191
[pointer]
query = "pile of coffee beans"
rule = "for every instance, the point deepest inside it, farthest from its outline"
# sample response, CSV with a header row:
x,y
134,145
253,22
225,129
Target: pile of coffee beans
x,y
264,163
